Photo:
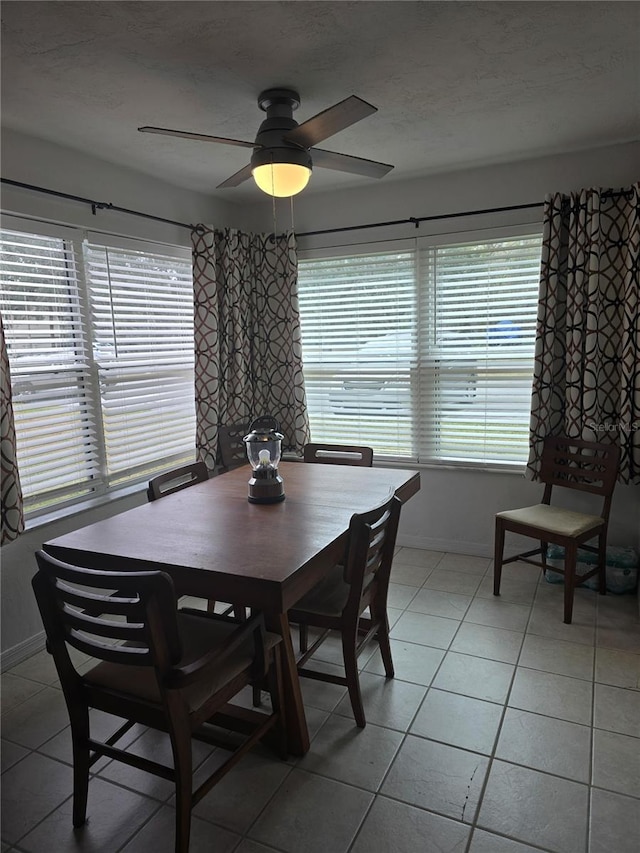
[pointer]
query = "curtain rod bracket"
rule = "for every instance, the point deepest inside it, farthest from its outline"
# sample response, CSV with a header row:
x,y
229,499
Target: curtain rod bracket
x,y
415,221
95,205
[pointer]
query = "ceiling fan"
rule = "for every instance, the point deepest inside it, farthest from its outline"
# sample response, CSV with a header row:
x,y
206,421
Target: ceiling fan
x,y
284,151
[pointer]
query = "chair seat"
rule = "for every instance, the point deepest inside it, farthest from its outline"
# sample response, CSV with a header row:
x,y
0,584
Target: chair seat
x,y
553,520
327,598
199,635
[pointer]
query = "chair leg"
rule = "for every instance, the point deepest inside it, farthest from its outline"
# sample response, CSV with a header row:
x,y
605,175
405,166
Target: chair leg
x,y
570,558
543,555
181,746
497,556
385,645
80,746
602,563
211,605
274,679
304,637
349,644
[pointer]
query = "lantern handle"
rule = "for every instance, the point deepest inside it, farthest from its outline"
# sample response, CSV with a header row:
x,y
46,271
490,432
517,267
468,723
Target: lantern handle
x,y
265,422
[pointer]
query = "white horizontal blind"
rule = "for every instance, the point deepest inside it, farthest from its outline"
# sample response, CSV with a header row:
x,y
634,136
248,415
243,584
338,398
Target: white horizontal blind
x,y
357,323
425,353
477,340
142,330
49,357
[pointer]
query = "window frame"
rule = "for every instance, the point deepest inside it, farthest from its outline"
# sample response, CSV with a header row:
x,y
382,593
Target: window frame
x,y
419,245
99,488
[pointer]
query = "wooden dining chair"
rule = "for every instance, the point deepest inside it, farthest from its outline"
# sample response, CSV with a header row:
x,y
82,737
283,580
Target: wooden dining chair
x,y
233,452
172,670
568,463
174,481
338,454
339,600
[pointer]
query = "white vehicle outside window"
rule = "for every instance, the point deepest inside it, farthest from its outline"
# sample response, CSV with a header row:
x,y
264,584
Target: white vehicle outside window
x,y
424,354
99,334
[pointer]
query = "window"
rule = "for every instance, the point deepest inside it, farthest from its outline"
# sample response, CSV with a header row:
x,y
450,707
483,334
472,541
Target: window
x,y
425,353
100,341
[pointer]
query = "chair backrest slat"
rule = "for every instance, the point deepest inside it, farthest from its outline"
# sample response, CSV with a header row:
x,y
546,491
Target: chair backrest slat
x,y
339,454
585,466
176,480
136,655
94,603
372,539
132,632
74,612
233,452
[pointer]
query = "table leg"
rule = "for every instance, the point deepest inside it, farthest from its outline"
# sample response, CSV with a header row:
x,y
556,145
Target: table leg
x,y
297,731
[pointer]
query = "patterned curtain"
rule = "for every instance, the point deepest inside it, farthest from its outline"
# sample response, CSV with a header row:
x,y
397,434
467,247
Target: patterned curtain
x,y
587,364
247,335
12,518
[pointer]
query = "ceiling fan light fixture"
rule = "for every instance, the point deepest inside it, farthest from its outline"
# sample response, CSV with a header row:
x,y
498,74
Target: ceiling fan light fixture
x,y
281,172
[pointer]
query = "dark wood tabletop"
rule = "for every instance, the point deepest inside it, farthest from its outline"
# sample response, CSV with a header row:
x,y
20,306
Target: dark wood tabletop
x,y
215,544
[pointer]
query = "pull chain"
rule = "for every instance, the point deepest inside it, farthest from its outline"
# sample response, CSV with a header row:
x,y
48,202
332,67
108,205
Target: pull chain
x,y
273,213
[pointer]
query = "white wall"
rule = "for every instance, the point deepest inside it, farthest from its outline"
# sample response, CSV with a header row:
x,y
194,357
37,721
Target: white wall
x,y
455,509
35,161
472,189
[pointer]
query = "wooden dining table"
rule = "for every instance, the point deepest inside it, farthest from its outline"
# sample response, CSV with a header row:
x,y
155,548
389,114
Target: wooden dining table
x,y
217,545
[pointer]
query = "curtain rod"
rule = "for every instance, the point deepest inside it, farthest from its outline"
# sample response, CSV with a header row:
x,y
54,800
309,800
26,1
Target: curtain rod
x,y
95,205
416,220
103,205
412,220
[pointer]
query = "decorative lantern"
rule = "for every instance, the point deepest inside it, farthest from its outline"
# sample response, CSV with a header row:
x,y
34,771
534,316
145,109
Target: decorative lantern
x,y
264,448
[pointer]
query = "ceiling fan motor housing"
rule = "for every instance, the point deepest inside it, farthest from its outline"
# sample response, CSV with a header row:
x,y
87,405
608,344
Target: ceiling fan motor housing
x,y
271,146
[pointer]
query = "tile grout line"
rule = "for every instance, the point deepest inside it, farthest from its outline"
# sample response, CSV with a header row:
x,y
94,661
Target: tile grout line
x,y
473,826
405,734
413,719
492,756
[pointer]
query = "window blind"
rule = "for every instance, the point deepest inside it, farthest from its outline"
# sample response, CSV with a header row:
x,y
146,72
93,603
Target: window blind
x,y
100,344
426,353
477,341
54,404
358,338
142,330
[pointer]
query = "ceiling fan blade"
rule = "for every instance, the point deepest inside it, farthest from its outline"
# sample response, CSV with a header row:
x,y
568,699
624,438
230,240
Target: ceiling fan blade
x,y
202,137
235,180
330,121
347,163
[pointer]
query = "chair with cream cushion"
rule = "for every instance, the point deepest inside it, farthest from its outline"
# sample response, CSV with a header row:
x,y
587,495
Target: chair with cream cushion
x,y
175,671
583,466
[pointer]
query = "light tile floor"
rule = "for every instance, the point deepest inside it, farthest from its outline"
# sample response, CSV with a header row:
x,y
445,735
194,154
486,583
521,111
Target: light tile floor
x,y
504,731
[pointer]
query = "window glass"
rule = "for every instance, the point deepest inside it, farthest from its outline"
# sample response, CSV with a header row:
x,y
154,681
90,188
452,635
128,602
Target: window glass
x,y
100,344
424,354
358,319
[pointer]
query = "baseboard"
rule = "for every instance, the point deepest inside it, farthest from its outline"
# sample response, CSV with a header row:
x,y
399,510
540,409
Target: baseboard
x,y
16,654
454,546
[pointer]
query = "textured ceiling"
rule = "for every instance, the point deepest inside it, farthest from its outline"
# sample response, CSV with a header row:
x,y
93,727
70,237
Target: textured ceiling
x,y
457,84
